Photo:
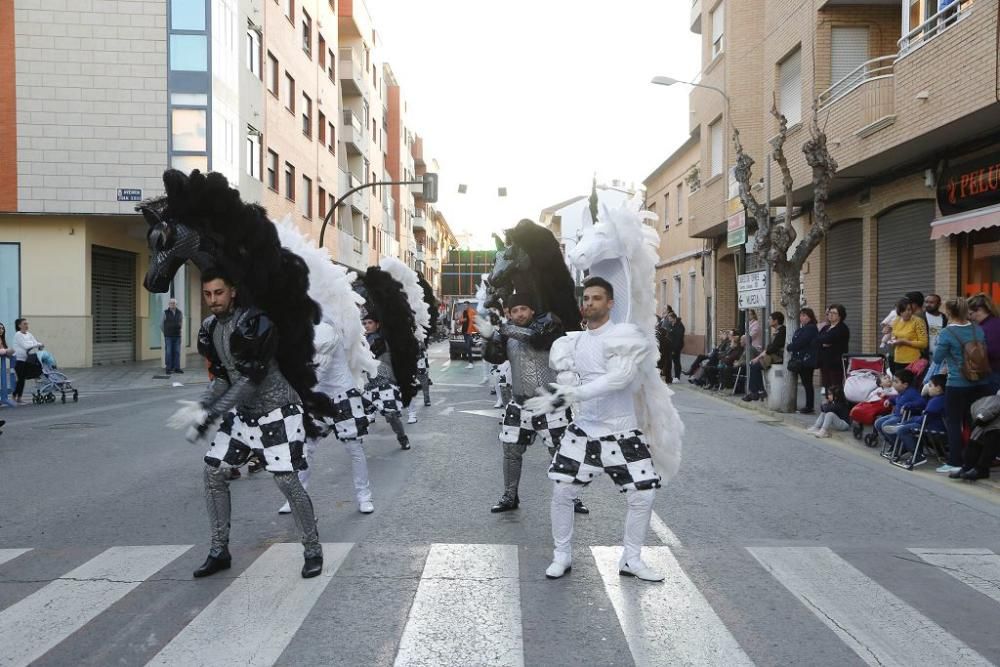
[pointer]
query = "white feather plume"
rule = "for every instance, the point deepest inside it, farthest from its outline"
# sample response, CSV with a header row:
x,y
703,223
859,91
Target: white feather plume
x,y
330,285
414,293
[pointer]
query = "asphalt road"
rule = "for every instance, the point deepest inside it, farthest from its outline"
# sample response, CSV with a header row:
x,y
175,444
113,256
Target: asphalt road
x,y
780,549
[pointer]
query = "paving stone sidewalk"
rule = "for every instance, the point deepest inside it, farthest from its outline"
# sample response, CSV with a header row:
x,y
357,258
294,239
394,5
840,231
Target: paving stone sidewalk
x,y
133,376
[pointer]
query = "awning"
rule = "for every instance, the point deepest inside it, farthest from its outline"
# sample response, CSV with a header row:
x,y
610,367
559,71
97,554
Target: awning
x,y
969,221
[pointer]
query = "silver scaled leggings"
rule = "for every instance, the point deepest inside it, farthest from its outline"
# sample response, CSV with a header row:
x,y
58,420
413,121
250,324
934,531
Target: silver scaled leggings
x,y
220,509
395,420
513,456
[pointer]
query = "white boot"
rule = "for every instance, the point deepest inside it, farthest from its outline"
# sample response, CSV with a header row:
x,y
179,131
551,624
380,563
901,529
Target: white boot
x,y
411,416
562,514
359,468
640,510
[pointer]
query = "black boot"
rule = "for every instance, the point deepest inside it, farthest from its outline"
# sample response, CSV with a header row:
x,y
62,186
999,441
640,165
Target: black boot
x,y
404,442
579,507
505,504
313,567
214,564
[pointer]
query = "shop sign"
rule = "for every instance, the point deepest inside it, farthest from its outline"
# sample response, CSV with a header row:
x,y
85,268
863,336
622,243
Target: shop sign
x,y
736,229
970,185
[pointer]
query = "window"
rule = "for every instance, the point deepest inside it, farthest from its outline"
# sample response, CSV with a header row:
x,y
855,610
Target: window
x,y
272,74
272,170
692,297
288,6
188,163
321,128
187,15
321,51
848,52
10,286
307,33
790,87
289,92
321,200
331,63
329,206
306,199
666,211
289,182
716,147
307,109
188,53
253,152
718,29
188,130
680,202
677,294
332,137
253,52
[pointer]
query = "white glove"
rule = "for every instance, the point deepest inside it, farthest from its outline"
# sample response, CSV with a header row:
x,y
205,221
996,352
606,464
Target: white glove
x,y
485,327
555,397
192,418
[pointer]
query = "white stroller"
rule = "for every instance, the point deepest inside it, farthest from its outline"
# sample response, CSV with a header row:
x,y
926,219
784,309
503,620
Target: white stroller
x,y
52,381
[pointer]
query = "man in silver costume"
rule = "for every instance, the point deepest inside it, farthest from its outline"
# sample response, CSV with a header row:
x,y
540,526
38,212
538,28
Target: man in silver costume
x,y
525,340
383,389
259,412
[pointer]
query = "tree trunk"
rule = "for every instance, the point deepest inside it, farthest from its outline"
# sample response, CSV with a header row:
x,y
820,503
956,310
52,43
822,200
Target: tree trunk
x,y
789,282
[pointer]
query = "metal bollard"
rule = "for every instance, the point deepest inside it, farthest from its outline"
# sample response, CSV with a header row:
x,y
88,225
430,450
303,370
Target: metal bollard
x,y
6,370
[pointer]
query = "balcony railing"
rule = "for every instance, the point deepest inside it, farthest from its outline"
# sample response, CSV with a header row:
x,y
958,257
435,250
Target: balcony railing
x,y
874,70
935,25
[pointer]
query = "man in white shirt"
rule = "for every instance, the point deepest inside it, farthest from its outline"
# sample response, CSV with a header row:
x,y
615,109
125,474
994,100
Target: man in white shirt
x,y
604,435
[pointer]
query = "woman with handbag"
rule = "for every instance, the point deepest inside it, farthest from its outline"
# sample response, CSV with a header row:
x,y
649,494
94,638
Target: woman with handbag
x,y
805,349
25,345
773,354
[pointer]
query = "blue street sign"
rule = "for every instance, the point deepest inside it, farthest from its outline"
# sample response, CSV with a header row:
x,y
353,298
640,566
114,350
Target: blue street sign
x,y
129,194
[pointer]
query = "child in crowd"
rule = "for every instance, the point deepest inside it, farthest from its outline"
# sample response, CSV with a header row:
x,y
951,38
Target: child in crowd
x,y
908,399
909,430
875,404
833,414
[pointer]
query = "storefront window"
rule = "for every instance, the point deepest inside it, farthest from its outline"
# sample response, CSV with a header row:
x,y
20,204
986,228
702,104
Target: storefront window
x,y
10,286
982,273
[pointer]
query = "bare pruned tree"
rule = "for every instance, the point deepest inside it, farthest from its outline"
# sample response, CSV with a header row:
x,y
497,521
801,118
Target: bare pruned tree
x,y
775,238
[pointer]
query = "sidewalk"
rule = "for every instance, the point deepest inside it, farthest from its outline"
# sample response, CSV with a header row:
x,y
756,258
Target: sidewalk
x,y
133,376
803,422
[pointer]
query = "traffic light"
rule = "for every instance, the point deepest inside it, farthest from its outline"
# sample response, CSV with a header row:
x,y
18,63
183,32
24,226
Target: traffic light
x,y
430,187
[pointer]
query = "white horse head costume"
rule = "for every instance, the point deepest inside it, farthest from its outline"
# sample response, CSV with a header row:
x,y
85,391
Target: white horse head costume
x,y
622,249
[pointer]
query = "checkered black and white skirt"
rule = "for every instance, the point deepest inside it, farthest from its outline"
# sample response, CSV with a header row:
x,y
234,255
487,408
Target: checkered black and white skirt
x,y
279,436
623,456
352,415
520,425
501,374
386,399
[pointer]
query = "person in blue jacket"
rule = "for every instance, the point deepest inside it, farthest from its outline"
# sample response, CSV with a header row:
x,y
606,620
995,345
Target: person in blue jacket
x,y
907,400
909,430
805,349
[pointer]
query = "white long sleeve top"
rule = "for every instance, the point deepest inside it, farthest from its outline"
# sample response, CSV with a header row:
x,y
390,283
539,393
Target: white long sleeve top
x,y
333,373
606,392
23,344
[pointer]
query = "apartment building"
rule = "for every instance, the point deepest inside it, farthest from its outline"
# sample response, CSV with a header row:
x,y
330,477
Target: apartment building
x,y
906,92
284,97
681,269
434,240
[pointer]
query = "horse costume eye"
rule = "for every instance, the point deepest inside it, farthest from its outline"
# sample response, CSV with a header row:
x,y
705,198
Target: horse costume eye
x,y
161,237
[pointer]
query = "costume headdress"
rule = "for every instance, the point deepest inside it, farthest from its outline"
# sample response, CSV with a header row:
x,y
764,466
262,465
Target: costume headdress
x,y
385,300
407,277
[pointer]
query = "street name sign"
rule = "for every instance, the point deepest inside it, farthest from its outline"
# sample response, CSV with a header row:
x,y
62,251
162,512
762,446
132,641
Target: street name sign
x,y
129,194
751,289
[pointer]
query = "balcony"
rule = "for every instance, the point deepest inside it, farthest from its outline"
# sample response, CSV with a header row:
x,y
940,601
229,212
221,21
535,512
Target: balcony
x,y
418,152
871,88
419,221
696,16
353,19
935,25
353,134
359,200
349,251
351,72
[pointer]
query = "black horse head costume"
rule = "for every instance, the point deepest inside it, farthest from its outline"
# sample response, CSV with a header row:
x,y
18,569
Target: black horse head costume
x,y
430,300
532,263
386,301
203,220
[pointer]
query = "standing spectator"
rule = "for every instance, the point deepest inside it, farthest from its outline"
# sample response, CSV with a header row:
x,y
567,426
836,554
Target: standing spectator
x,y
663,341
173,319
909,336
25,343
936,320
833,344
755,335
805,354
5,349
468,323
961,392
773,354
676,336
983,312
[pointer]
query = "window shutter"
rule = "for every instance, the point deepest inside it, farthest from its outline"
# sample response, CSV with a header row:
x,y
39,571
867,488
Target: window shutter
x,y
716,147
848,51
790,87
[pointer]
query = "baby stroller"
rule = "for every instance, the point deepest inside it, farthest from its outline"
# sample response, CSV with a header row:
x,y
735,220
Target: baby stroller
x,y
52,381
861,378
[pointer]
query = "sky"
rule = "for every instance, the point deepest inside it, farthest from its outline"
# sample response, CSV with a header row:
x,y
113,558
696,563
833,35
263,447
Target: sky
x,y
537,96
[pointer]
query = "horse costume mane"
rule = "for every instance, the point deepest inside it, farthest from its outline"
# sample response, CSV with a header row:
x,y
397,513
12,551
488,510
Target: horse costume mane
x,y
407,277
204,220
622,249
532,263
431,301
330,285
386,301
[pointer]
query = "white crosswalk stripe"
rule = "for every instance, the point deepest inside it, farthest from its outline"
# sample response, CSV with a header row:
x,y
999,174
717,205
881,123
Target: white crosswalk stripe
x,y
670,623
467,610
34,625
978,568
11,554
878,626
252,621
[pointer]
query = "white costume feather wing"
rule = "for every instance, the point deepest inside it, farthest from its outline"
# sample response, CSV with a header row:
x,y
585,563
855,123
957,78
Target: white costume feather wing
x,y
414,293
330,285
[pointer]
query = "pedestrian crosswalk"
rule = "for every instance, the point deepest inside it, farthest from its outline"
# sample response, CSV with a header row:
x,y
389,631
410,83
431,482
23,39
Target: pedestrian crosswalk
x,y
467,604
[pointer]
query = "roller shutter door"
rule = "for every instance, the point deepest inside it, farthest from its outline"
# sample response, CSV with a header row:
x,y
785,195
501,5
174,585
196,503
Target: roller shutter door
x,y
113,302
905,253
848,51
844,276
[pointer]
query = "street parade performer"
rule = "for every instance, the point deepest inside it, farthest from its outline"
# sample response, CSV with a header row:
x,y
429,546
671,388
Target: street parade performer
x,y
389,328
342,359
624,421
262,394
540,305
